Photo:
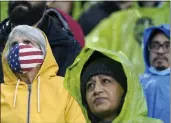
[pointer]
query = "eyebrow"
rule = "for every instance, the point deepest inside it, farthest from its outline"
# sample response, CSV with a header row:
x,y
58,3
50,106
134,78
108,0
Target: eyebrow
x,y
90,81
27,40
155,41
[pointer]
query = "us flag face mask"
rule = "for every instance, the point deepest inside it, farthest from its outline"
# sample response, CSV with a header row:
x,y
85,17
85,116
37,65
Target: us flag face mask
x,y
22,58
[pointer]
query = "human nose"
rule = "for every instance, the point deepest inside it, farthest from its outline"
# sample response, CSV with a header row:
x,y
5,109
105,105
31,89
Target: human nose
x,y
161,49
98,88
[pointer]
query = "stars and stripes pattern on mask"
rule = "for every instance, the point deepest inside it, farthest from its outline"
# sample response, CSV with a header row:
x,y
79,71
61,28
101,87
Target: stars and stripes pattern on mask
x,y
23,57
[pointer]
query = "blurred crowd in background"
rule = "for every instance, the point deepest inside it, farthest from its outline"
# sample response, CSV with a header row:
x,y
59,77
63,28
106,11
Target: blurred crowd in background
x,y
75,30
108,20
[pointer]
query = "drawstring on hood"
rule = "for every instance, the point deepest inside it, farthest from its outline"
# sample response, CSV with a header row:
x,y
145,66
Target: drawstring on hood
x,y
15,94
38,94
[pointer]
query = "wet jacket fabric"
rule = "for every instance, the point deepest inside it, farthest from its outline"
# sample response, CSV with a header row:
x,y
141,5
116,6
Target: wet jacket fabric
x,y
101,10
134,108
123,31
156,86
49,101
59,33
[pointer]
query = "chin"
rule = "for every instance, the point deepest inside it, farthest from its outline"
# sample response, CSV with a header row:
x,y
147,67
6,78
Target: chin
x,y
103,112
102,109
100,112
161,65
160,68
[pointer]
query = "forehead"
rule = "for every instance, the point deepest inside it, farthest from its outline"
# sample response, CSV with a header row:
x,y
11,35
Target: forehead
x,y
159,37
100,76
19,38
22,39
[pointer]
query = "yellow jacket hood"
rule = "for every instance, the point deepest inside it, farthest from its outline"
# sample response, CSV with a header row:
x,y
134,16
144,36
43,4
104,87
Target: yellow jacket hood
x,y
44,101
49,65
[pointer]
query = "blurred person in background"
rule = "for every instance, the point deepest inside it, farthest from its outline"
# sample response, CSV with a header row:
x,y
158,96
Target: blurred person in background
x,y
99,11
40,9
64,34
65,6
32,92
73,8
156,78
107,88
123,31
149,3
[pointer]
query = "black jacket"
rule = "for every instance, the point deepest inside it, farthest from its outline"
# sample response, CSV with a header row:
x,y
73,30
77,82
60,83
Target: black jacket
x,y
64,47
95,14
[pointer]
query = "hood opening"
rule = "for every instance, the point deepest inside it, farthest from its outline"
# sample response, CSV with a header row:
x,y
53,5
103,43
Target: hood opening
x,y
93,58
134,106
153,33
148,35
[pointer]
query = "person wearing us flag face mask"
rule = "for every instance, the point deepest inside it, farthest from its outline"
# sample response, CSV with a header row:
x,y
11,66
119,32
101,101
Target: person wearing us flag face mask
x,y
25,52
32,92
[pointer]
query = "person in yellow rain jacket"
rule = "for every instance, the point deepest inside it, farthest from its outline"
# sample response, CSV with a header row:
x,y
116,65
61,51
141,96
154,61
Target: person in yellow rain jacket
x,y
106,87
32,92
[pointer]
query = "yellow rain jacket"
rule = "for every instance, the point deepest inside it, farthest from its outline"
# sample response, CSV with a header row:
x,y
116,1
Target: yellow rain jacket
x,y
123,30
134,108
49,101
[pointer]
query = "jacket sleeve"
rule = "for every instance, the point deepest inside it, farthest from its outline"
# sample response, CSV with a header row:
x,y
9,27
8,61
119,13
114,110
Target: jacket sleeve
x,y
73,113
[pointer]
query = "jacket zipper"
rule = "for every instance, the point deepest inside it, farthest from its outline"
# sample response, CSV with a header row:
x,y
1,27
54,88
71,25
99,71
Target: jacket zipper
x,y
28,108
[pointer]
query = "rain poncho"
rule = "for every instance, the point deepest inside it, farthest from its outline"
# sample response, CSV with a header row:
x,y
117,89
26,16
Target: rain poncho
x,y
134,108
123,31
49,101
156,85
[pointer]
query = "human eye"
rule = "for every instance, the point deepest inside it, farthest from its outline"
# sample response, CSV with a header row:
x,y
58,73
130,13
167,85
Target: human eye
x,y
90,86
27,42
106,81
155,46
14,43
167,46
